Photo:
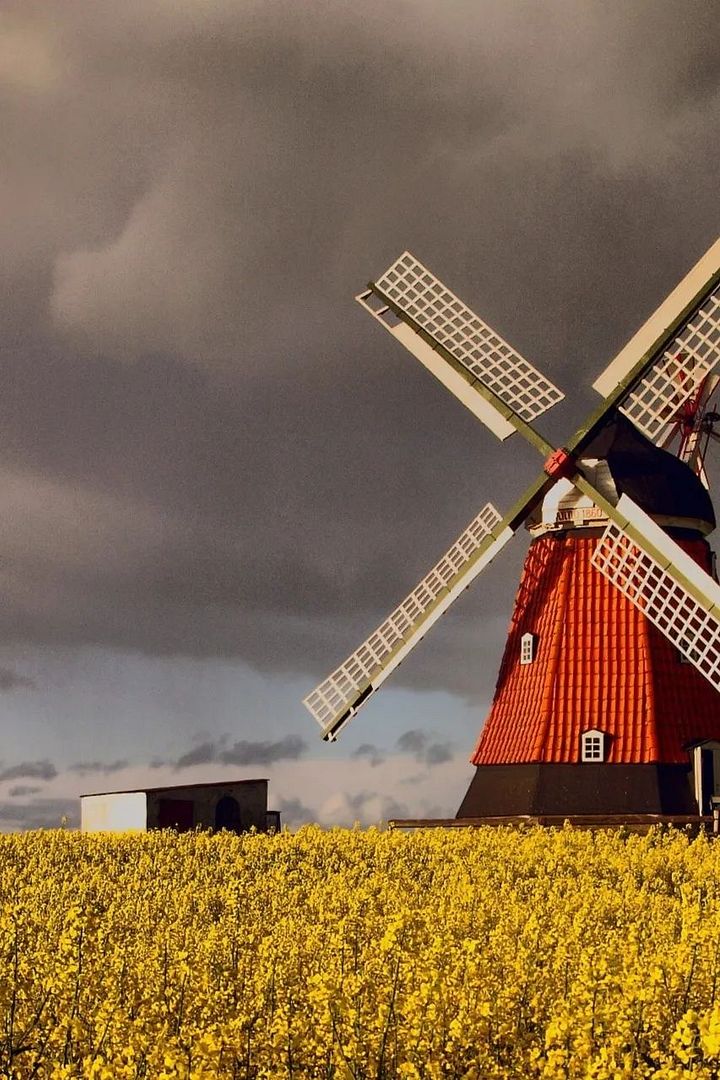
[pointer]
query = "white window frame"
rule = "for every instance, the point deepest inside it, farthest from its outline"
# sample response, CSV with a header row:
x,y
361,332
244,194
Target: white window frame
x,y
527,648
695,751
592,746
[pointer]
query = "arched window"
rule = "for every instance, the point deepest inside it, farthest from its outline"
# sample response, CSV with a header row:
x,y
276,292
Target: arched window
x,y
592,745
527,648
227,814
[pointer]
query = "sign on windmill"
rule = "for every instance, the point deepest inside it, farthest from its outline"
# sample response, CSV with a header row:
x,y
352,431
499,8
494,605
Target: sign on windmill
x,y
607,700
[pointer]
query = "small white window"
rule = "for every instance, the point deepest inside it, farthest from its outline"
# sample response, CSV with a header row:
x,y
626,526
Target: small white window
x,y
527,648
593,746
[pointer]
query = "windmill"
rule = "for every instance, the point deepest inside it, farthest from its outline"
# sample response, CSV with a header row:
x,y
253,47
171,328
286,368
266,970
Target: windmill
x,y
608,699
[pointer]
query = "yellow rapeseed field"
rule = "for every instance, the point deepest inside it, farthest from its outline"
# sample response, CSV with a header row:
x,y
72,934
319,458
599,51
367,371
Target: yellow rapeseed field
x,y
359,954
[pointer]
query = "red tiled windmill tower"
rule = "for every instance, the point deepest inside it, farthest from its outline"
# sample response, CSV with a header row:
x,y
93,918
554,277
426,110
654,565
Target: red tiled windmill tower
x,y
607,699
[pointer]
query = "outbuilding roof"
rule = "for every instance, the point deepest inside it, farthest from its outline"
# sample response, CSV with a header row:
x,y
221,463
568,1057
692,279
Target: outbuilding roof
x,y
177,787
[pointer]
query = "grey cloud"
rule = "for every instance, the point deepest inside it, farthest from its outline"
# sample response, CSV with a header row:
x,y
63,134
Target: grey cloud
x,y
41,814
366,807
202,754
23,789
82,768
371,752
438,753
35,770
247,752
11,680
424,750
294,812
209,450
412,742
243,752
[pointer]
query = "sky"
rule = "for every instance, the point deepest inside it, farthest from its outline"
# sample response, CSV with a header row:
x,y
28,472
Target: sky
x,y
217,473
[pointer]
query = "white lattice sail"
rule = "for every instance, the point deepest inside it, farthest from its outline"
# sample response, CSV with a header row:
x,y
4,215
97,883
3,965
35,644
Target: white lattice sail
x,y
677,373
480,351
681,340
339,696
663,582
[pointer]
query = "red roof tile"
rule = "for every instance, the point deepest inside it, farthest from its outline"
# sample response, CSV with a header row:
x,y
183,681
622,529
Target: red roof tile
x,y
598,663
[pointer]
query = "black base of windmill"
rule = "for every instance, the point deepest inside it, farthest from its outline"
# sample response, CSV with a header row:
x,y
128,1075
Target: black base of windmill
x,y
551,789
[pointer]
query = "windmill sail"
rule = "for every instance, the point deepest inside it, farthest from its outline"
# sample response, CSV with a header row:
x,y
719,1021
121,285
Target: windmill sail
x,y
670,355
495,382
663,582
337,699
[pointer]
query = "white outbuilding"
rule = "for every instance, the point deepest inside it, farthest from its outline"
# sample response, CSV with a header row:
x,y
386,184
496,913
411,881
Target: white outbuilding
x,y
237,805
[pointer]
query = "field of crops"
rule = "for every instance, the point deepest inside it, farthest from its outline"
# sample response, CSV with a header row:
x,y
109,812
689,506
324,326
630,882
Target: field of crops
x,y
360,954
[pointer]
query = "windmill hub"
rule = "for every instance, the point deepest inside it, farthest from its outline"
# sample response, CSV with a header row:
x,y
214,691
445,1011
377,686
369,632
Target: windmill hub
x,y
560,463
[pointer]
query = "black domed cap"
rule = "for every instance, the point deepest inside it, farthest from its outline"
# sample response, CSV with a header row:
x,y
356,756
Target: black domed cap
x,y
655,479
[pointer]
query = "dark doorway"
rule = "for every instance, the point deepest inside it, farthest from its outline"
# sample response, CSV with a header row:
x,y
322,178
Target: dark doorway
x,y
227,814
176,814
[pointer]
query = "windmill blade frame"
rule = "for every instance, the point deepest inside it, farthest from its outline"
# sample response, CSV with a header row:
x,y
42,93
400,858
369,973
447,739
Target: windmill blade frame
x,y
335,701
673,351
499,386
664,583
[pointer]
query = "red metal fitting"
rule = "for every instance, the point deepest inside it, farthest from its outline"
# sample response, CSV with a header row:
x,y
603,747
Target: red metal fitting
x,y
560,463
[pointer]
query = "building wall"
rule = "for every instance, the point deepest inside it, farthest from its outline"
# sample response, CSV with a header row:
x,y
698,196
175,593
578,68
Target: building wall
x,y
251,796
117,812
552,788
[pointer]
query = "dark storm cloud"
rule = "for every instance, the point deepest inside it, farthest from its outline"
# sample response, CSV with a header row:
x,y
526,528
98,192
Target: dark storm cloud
x,y
243,752
33,770
208,449
423,749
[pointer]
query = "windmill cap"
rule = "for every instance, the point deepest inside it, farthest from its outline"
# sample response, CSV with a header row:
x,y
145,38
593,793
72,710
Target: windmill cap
x,y
660,483
620,460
